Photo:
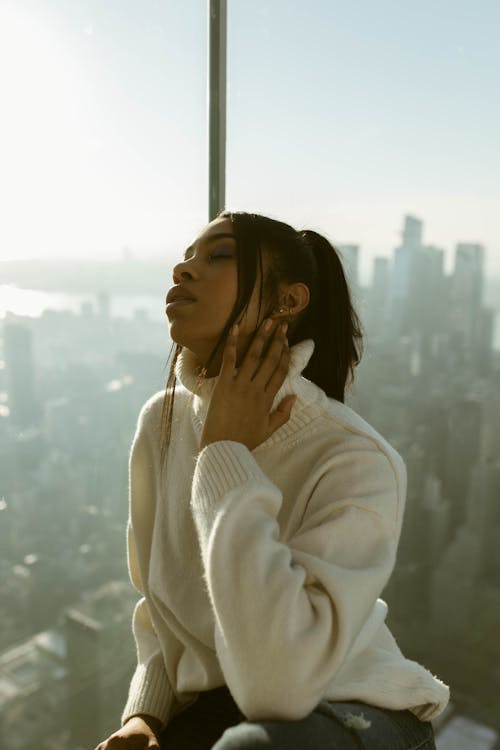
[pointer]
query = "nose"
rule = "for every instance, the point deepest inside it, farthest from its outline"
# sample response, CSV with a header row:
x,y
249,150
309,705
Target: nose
x,y
181,270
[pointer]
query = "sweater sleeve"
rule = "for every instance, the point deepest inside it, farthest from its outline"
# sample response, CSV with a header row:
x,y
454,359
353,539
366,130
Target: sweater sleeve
x,y
149,691
286,615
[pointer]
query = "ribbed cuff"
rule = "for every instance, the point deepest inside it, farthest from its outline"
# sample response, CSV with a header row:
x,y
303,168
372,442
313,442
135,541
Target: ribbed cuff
x,y
220,467
226,472
149,693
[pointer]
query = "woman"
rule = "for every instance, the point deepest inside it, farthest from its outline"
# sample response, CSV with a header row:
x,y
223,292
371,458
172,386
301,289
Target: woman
x,y
265,516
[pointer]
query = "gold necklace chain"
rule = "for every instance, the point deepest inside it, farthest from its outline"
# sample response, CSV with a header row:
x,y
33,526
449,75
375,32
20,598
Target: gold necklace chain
x,y
202,373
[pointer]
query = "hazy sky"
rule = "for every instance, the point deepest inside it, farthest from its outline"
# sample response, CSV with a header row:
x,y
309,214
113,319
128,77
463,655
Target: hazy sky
x,y
342,117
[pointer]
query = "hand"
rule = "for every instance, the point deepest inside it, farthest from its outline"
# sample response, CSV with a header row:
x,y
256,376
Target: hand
x,y
241,402
135,734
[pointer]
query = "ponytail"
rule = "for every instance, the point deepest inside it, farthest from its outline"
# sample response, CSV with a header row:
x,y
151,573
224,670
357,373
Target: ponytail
x,y
331,321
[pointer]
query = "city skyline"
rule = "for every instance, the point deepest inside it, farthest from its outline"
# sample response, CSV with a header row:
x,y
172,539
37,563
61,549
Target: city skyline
x,y
71,387
104,146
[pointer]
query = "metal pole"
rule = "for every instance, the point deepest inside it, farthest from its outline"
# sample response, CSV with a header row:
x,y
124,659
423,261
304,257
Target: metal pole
x,y
217,38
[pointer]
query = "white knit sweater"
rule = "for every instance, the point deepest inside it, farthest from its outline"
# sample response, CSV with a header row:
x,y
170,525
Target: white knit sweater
x,y
263,569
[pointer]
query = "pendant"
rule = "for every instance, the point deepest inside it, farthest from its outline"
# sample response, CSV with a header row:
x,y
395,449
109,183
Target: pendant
x,y
201,377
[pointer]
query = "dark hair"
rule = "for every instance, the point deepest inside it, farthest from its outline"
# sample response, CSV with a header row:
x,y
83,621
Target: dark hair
x,y
329,319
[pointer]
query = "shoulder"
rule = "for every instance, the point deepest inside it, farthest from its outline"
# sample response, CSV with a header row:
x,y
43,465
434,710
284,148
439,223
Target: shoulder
x,y
339,426
338,439
151,409
147,437
344,421
149,416
344,449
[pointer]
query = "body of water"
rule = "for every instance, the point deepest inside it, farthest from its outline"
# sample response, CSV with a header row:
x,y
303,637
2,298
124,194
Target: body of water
x,y
33,302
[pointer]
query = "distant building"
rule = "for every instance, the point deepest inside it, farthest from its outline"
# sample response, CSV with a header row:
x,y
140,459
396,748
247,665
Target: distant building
x,y
484,342
104,304
350,261
65,687
377,298
402,286
20,374
466,294
32,691
483,516
99,663
452,597
438,513
490,435
462,451
86,309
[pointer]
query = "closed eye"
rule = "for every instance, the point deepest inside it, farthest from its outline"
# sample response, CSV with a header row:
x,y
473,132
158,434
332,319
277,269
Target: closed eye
x,y
214,256
189,252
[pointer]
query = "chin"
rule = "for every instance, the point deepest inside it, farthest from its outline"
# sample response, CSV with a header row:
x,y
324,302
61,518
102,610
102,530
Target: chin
x,y
178,336
190,336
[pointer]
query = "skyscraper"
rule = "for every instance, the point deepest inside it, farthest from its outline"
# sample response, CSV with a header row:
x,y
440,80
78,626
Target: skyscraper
x,y
466,294
20,372
350,260
404,278
377,298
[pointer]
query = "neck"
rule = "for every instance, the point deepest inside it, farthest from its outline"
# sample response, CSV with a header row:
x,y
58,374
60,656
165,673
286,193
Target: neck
x,y
188,374
215,365
189,367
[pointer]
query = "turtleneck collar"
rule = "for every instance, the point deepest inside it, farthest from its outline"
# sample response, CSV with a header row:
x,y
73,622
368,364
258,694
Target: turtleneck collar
x,y
187,369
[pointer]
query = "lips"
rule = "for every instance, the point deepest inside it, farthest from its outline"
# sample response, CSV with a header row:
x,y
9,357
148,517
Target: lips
x,y
179,293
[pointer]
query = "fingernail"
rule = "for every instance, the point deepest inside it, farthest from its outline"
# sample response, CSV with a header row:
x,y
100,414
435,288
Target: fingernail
x,y
235,329
284,326
267,324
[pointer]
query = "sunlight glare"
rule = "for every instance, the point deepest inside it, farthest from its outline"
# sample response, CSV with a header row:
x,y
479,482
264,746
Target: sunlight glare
x,y
43,99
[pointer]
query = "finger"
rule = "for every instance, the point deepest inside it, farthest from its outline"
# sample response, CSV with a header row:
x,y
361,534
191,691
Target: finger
x,y
115,742
272,358
279,374
281,414
228,365
253,355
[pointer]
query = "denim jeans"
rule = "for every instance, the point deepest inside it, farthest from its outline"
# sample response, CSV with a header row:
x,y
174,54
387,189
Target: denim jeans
x,y
214,722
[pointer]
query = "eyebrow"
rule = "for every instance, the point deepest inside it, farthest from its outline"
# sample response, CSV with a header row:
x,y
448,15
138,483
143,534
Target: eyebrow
x,y
207,240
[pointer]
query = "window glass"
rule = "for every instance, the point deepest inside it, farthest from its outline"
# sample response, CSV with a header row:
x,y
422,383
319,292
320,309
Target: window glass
x,y
374,124
377,125
102,186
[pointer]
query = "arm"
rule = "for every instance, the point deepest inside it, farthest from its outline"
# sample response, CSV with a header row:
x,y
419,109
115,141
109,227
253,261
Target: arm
x,y
286,615
149,692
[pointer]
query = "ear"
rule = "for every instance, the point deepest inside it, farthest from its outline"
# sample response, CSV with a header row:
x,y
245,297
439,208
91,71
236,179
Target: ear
x,y
296,296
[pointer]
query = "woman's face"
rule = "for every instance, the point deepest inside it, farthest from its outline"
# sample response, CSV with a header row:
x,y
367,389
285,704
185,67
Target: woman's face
x,y
210,273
